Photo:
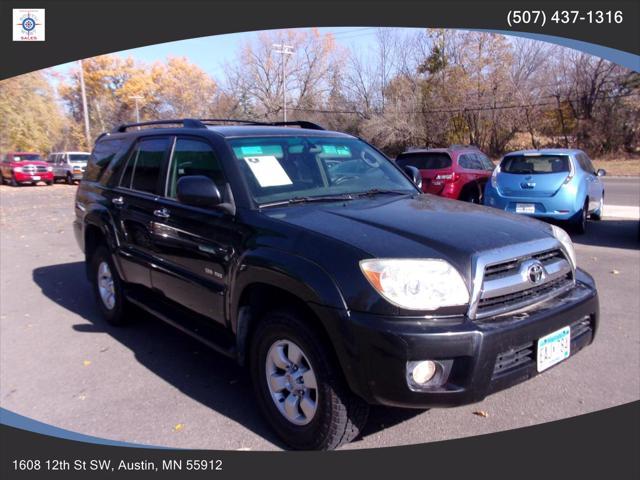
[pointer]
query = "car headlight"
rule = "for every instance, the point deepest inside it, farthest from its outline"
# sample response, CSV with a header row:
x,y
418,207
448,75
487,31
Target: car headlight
x,y
564,238
17,169
49,169
416,284
494,177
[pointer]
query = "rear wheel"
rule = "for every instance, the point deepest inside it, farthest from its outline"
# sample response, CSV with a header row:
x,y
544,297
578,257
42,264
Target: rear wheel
x,y
108,287
471,195
299,386
579,221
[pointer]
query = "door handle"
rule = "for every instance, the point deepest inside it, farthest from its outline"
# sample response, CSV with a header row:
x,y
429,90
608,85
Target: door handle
x,y
117,201
162,213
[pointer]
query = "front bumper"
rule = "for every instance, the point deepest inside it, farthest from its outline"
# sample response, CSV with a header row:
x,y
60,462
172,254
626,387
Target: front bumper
x,y
22,177
479,349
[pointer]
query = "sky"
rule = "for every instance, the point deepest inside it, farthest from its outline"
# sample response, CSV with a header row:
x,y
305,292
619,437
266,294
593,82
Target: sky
x,y
211,53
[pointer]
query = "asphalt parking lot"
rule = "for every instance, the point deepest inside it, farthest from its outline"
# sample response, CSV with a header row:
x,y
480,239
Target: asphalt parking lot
x,y
147,383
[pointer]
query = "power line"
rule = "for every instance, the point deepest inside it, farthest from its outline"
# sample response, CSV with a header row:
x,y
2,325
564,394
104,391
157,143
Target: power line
x,y
462,109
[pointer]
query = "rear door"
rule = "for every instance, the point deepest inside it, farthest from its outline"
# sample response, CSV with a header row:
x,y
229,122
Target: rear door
x,y
594,185
195,245
134,202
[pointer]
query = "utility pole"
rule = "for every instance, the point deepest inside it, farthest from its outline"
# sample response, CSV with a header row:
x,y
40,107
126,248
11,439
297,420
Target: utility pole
x,y
87,131
136,98
283,50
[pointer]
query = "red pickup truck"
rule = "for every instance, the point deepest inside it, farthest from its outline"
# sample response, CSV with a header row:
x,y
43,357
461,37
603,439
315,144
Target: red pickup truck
x,y
19,168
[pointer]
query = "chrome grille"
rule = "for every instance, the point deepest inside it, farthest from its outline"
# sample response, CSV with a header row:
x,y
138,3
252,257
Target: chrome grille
x,y
506,285
31,169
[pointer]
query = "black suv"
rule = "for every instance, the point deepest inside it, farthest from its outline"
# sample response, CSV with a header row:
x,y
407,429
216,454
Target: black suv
x,y
312,258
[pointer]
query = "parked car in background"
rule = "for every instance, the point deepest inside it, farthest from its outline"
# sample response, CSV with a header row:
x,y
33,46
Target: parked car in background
x,y
69,166
558,184
313,259
21,168
458,172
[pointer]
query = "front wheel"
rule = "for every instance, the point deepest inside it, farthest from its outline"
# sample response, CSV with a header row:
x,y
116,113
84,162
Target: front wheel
x,y
597,215
69,179
299,387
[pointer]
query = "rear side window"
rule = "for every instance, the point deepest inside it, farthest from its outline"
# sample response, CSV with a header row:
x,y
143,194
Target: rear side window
x,y
425,161
193,157
144,168
485,162
101,157
585,163
535,164
469,161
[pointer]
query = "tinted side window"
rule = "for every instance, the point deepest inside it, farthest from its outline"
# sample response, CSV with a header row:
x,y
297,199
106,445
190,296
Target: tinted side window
x,y
425,161
144,168
101,157
485,162
469,161
193,157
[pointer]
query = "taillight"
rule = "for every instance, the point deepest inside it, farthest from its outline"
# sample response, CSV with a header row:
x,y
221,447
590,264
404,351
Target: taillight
x,y
494,177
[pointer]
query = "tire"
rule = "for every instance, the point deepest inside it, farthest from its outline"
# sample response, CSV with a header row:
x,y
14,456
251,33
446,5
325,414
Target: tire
x,y
13,182
69,178
471,195
579,220
50,182
338,415
597,215
102,268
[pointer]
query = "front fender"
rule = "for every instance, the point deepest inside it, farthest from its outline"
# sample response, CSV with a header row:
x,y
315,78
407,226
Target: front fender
x,y
297,275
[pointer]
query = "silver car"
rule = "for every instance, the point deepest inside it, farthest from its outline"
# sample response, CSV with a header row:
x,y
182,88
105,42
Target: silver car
x,y
69,166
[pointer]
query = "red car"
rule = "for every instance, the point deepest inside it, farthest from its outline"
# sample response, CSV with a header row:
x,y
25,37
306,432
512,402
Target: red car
x,y
458,172
20,168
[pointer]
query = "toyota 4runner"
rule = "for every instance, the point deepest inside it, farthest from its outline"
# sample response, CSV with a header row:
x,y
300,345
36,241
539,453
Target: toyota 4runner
x,y
313,259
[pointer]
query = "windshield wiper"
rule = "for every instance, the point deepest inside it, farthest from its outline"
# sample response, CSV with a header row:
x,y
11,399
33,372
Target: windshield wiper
x,y
381,191
319,198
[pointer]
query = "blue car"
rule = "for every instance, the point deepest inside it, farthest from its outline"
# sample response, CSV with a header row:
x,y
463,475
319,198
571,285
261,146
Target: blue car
x,y
554,184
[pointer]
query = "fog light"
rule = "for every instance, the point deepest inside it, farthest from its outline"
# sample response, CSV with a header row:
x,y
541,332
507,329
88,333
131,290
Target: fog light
x,y
422,372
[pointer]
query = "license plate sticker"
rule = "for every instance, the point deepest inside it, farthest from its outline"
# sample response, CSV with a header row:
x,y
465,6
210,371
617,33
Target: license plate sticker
x,y
35,177
525,208
554,348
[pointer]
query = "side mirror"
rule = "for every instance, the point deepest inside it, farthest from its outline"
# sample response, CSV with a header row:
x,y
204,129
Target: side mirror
x,y
414,174
199,191
601,172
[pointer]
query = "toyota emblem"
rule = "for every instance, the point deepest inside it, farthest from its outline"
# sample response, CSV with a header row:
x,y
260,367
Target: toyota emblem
x,y
535,273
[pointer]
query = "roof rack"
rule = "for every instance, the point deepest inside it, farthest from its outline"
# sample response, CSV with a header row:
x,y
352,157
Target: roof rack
x,y
296,123
203,122
185,122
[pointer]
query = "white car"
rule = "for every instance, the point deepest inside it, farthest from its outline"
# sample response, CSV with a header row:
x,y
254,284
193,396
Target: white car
x,y
68,165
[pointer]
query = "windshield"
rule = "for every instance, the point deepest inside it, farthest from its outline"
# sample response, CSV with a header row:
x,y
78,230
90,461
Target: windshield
x,y
78,157
525,164
285,168
26,157
425,161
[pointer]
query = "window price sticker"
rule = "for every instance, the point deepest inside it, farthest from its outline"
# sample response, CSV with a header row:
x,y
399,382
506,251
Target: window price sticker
x,y
268,171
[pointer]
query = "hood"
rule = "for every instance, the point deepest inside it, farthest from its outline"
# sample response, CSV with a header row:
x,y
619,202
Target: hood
x,y
422,226
23,163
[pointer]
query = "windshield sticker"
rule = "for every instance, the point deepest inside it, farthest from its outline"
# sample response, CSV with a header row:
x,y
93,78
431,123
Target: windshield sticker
x,y
254,150
268,171
338,151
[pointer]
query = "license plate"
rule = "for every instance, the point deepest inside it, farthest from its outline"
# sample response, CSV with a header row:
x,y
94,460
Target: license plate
x,y
554,348
525,208
35,177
